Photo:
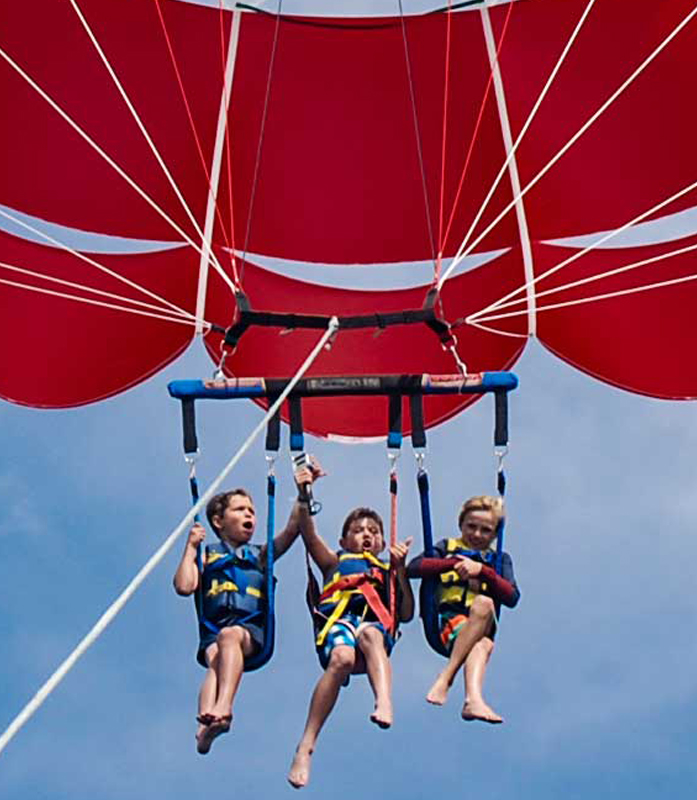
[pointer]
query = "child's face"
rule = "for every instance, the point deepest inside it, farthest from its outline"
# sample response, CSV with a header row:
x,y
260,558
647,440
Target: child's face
x,y
478,529
364,534
238,520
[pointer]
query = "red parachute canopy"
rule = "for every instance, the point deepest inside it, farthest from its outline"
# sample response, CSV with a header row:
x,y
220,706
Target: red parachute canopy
x,y
340,165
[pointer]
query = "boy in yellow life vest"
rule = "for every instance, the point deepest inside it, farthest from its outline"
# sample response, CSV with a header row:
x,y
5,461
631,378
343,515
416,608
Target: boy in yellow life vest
x,y
230,620
355,630
468,598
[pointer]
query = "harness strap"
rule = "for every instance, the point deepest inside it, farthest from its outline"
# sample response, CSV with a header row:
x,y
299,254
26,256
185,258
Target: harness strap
x,y
347,587
393,541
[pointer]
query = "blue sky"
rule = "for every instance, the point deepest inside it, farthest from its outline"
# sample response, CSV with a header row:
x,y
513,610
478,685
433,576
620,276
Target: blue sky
x,y
594,671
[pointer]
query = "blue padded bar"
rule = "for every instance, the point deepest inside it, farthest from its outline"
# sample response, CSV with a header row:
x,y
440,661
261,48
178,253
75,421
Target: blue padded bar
x,y
336,386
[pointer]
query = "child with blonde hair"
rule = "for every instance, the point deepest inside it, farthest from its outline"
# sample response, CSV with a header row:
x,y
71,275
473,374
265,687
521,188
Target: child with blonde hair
x,y
468,596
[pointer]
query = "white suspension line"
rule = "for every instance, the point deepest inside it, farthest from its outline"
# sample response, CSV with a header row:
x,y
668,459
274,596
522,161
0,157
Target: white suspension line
x,y
504,122
216,164
686,190
595,298
569,144
107,617
602,275
96,264
63,295
101,292
523,131
90,141
497,331
206,245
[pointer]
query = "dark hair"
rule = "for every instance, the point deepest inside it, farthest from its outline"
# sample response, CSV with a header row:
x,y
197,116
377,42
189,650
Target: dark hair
x,y
361,513
219,502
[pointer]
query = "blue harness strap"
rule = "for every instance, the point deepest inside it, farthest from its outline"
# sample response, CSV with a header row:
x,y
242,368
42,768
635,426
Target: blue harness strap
x,y
427,590
263,655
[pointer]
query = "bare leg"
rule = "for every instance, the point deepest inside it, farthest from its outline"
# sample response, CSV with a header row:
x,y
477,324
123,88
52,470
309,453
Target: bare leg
x,y
475,706
324,697
227,662
233,645
379,671
478,625
209,688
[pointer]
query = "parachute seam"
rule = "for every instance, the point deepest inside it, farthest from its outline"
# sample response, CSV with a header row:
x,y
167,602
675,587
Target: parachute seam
x,y
54,680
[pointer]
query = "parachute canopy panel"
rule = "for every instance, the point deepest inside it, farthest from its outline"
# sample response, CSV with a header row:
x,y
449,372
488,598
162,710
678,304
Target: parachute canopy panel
x,y
541,149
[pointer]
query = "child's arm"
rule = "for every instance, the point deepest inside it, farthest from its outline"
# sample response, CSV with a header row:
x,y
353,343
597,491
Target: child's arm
x,y
186,577
325,558
290,533
502,587
398,557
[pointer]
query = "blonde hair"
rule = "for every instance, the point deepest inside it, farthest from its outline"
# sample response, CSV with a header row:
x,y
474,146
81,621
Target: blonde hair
x,y
483,502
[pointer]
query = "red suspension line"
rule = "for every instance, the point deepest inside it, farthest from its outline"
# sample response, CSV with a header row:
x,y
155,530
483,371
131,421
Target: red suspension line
x,y
446,92
223,62
476,131
192,124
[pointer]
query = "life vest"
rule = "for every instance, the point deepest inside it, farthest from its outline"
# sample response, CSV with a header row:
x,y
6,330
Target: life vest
x,y
232,583
357,574
451,590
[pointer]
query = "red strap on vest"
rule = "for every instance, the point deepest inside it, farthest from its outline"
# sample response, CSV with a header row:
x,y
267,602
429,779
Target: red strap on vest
x,y
364,584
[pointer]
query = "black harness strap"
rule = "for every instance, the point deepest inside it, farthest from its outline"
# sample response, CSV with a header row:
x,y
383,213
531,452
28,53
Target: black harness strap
x,y
418,431
246,318
189,425
273,429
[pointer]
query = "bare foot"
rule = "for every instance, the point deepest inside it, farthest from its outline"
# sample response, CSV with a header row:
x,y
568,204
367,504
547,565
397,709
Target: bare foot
x,y
382,716
481,711
299,774
206,734
438,693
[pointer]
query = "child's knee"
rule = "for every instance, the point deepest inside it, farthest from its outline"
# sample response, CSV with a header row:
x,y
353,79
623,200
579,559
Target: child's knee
x,y
342,659
482,607
485,646
232,637
371,637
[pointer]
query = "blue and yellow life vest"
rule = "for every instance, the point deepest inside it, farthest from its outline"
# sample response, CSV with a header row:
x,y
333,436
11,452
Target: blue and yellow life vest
x,y
451,590
232,582
357,574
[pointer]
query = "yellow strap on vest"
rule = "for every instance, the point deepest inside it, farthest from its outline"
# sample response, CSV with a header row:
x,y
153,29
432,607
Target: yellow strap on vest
x,y
335,615
218,588
228,586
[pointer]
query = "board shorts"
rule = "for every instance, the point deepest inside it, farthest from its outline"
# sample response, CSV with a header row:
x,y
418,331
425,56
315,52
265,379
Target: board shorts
x,y
207,637
346,631
450,623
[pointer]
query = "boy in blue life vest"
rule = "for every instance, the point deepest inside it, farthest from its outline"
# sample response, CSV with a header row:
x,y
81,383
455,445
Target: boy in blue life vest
x,y
353,622
232,627
469,595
